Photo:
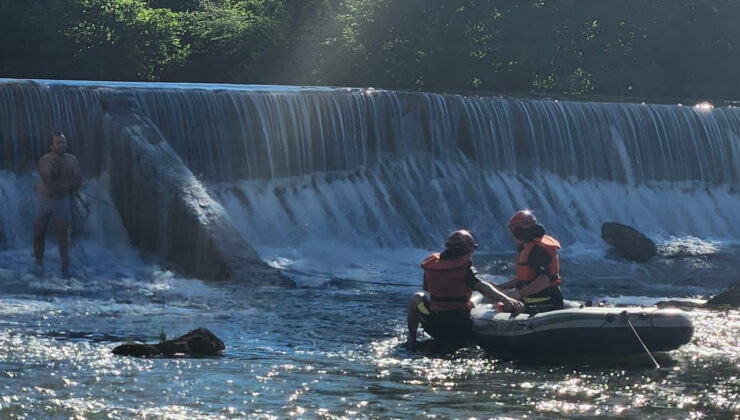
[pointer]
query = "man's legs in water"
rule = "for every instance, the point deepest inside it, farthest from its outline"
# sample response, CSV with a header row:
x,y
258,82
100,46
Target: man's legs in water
x,y
39,235
60,226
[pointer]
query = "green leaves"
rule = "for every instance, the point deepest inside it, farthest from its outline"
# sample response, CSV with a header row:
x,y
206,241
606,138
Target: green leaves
x,y
227,38
632,47
125,39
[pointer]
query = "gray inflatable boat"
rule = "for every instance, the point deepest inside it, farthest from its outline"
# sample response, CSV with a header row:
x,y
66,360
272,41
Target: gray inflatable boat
x,y
580,330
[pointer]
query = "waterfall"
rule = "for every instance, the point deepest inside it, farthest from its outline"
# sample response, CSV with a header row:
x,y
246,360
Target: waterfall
x,y
384,169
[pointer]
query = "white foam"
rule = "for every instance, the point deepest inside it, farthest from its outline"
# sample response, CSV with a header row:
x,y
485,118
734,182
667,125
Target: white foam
x,y
378,225
317,262
643,300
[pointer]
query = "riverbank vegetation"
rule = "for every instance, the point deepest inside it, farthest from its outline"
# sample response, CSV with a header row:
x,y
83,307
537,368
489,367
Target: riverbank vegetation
x,y
637,48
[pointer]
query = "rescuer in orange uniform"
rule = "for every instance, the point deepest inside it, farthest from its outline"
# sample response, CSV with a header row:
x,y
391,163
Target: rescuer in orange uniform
x,y
449,280
537,280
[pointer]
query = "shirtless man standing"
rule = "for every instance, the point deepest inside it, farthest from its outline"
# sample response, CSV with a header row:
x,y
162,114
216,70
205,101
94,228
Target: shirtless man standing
x,y
60,174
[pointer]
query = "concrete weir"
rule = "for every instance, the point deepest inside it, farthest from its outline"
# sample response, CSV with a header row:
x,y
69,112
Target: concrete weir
x,y
164,207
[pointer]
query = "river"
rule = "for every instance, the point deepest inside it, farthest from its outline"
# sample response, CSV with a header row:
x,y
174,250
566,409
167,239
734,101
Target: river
x,y
346,191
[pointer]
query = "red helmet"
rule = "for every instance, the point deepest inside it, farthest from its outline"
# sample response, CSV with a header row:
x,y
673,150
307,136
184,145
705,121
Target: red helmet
x,y
461,238
522,219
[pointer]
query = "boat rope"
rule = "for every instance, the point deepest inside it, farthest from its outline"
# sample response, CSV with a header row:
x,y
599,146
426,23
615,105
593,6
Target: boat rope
x,y
96,198
626,316
77,199
327,277
76,223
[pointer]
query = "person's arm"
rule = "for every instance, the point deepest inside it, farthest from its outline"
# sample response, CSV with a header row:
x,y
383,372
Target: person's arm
x,y
487,290
491,292
539,284
510,284
45,172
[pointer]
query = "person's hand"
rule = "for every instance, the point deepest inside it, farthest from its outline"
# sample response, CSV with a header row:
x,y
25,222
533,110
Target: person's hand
x,y
511,305
516,306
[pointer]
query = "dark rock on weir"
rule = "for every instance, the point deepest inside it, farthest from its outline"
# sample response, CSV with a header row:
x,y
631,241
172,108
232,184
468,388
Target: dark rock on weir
x,y
678,304
166,210
200,342
730,297
628,242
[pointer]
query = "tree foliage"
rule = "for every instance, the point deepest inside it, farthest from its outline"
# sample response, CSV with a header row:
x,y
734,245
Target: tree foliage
x,y
228,38
125,39
648,48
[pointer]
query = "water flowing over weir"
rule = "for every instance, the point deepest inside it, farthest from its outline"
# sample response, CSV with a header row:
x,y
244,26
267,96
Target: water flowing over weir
x,y
385,169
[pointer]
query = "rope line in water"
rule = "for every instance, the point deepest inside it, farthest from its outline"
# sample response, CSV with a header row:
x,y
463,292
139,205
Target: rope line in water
x,y
626,316
96,198
289,270
324,276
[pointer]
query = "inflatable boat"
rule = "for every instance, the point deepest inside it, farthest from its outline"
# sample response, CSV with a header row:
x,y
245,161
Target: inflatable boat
x,y
580,330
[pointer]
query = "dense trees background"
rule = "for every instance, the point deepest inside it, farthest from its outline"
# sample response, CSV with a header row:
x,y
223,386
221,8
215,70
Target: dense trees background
x,y
638,48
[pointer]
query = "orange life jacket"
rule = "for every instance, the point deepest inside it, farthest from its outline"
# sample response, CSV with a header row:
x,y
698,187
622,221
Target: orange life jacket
x,y
525,274
445,282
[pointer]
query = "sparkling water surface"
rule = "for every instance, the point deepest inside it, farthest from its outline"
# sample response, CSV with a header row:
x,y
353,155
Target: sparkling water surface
x,y
333,351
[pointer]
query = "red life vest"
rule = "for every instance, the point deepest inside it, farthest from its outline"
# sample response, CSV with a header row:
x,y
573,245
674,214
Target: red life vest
x,y
525,274
445,282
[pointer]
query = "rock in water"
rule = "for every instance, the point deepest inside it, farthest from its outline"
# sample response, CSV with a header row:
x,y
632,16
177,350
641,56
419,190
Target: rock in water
x,y
137,350
167,211
730,297
199,342
628,242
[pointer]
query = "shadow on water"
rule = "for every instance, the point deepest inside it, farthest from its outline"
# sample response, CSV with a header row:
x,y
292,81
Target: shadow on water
x,y
441,348
639,362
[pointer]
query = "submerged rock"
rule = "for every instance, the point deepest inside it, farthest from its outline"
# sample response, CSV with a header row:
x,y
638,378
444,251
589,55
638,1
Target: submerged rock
x,y
730,297
199,342
629,242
